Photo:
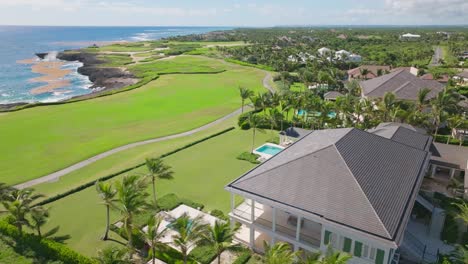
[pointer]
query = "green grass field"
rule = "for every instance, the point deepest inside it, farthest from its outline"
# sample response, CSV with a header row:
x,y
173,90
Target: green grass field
x,y
45,139
200,173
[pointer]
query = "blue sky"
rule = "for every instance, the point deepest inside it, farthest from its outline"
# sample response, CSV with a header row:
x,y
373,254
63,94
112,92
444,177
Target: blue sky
x,y
232,13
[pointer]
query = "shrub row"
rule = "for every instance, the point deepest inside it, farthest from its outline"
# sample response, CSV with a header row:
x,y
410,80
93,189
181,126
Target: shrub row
x,y
110,176
204,254
250,157
219,214
43,248
243,63
452,141
243,258
169,255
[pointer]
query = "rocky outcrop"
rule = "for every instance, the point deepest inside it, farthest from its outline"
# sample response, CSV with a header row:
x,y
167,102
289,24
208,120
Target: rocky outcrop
x,y
103,78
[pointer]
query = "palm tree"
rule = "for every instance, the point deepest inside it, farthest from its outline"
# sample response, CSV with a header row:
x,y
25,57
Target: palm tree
x,y
244,94
330,257
274,116
190,232
441,104
422,101
254,121
113,255
387,104
352,87
364,73
459,255
158,170
19,203
130,200
39,217
107,193
454,122
4,190
279,253
153,235
463,214
220,236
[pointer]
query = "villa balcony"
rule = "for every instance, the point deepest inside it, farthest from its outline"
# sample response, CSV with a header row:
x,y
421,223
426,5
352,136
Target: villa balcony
x,y
278,224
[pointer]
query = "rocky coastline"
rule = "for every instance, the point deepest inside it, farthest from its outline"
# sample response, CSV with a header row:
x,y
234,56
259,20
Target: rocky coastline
x,y
103,78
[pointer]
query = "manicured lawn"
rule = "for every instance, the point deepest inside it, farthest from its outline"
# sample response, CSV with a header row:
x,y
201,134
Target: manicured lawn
x,y
201,172
45,139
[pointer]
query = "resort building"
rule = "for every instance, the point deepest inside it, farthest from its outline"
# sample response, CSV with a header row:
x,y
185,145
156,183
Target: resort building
x,y
332,95
371,72
348,188
461,78
347,56
402,83
409,36
324,51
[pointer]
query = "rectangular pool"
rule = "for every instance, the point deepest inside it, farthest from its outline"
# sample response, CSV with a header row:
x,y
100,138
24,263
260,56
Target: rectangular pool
x,y
269,149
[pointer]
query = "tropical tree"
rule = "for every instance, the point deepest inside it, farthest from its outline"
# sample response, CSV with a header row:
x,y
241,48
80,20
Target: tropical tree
x,y
254,121
220,236
463,214
279,253
130,200
274,116
387,105
153,234
107,194
459,255
422,101
364,73
113,255
330,257
454,122
353,87
4,190
190,232
444,102
39,217
18,204
244,94
158,170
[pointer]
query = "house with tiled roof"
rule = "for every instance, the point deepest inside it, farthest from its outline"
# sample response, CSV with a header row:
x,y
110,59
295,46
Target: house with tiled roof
x,y
351,189
402,83
373,71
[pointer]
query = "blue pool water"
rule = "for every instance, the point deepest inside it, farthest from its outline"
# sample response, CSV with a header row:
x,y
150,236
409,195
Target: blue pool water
x,y
268,149
302,112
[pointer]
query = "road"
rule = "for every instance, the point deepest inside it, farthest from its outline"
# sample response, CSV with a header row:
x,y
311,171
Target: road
x,y
438,56
56,175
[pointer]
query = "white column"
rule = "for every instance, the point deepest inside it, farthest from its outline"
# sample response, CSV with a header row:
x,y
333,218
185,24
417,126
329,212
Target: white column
x,y
298,228
434,167
252,211
273,219
452,173
252,237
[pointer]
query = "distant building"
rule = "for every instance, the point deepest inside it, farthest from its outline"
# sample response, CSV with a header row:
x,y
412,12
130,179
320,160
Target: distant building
x,y
442,79
332,95
461,78
347,56
324,51
409,36
373,71
402,83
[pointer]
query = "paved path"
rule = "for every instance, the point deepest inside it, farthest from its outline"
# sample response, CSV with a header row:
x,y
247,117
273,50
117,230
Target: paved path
x,y
438,55
266,82
56,175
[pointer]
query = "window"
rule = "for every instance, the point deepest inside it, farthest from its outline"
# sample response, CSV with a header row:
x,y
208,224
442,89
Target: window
x,y
368,252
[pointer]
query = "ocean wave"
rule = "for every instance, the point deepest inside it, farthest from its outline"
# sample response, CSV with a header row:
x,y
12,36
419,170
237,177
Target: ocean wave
x,y
5,95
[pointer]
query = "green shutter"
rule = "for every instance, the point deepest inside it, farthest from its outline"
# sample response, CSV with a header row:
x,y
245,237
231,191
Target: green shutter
x,y
379,259
357,249
347,245
326,239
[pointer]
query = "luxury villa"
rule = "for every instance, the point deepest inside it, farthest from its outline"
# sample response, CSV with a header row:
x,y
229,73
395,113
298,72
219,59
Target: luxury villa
x,y
348,188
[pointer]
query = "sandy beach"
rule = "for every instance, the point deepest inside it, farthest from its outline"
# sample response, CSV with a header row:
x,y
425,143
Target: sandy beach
x,y
52,74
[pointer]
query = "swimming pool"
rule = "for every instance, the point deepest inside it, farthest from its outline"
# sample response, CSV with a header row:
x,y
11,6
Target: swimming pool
x,y
268,150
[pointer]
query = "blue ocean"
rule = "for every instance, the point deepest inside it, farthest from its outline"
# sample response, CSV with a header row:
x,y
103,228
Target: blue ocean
x,y
19,43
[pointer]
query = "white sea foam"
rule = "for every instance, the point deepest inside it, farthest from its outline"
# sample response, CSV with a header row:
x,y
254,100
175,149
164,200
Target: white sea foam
x,y
5,95
51,56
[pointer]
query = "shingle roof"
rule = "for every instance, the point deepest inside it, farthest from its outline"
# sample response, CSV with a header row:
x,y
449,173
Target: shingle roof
x,y
404,133
373,70
463,74
450,155
295,132
404,84
348,176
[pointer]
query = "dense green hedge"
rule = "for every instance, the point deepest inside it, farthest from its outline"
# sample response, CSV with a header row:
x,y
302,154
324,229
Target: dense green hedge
x,y
219,214
452,141
110,176
243,63
250,157
203,254
171,201
243,258
43,248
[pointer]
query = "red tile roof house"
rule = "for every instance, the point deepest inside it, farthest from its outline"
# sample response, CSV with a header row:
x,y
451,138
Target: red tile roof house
x,y
442,79
348,188
402,83
373,72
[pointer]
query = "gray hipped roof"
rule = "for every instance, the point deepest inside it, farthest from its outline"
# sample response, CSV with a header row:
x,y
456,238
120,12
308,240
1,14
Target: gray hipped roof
x,y
402,83
404,133
347,176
